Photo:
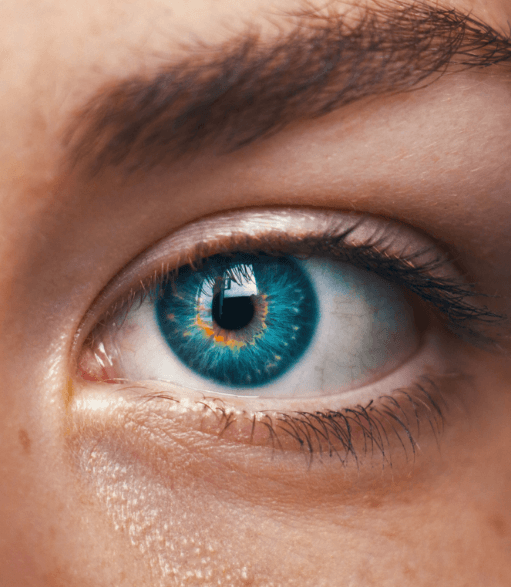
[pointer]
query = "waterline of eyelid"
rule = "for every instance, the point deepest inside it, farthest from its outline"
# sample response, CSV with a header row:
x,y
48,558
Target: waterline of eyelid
x,y
427,359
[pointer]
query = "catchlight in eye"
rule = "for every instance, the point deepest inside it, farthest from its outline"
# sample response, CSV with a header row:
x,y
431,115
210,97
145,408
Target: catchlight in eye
x,y
239,321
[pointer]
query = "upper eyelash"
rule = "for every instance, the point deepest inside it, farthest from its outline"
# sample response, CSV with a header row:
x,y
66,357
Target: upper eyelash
x,y
414,271
451,297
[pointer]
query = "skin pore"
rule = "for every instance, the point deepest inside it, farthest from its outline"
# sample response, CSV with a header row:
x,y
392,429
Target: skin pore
x,y
99,491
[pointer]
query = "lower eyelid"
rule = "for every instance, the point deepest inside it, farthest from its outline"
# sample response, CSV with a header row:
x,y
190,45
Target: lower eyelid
x,y
395,436
270,423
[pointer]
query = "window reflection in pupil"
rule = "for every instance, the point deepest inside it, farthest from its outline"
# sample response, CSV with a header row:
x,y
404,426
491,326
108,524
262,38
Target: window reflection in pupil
x,y
232,313
241,320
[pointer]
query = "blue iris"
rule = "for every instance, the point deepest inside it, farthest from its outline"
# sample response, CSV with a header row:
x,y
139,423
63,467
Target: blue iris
x,y
241,320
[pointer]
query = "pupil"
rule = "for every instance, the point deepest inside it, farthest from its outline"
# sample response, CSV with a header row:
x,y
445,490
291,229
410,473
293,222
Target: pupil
x,y
235,313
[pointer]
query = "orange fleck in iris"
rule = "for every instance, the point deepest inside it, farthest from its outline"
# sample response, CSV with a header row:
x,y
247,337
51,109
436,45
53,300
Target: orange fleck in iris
x,y
221,337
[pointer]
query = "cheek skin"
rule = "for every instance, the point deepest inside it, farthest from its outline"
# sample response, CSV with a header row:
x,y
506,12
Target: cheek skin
x,y
196,515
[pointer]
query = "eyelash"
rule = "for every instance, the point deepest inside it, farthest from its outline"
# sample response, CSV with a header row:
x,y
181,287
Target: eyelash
x,y
449,296
350,432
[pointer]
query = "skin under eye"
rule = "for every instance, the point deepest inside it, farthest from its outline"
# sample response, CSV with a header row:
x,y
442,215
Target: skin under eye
x,y
368,295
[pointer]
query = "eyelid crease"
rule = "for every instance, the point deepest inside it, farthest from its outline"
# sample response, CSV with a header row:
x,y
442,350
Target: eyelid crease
x,y
368,243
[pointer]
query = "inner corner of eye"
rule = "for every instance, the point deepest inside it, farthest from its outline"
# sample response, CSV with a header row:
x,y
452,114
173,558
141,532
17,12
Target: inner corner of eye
x,y
255,324
95,364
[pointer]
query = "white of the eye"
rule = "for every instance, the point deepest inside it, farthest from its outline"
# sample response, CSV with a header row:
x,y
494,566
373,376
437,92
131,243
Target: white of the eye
x,y
366,330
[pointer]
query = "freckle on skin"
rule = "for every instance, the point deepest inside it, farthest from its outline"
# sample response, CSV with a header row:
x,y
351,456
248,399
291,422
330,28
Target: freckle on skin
x,y
24,440
499,525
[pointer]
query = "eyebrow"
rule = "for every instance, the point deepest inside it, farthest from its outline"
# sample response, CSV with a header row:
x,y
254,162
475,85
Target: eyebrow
x,y
248,89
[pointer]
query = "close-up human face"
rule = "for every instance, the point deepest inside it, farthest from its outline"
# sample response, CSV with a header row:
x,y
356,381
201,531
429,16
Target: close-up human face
x,y
255,293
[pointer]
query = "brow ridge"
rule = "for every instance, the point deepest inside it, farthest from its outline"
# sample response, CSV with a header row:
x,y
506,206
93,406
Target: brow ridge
x,y
248,89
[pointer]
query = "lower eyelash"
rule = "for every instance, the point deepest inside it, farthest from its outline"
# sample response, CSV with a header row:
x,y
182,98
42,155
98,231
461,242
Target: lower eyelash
x,y
377,430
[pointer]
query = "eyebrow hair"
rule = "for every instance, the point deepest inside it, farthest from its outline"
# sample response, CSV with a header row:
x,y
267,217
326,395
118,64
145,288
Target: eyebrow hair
x,y
248,89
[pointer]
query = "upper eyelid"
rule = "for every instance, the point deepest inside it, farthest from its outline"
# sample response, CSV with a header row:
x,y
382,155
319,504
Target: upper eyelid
x,y
189,243
180,247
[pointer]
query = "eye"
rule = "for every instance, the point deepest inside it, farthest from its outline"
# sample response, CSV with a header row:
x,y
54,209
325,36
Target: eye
x,y
328,312
267,325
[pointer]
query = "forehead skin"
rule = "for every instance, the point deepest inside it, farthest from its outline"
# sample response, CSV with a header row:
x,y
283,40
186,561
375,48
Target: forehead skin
x,y
425,158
